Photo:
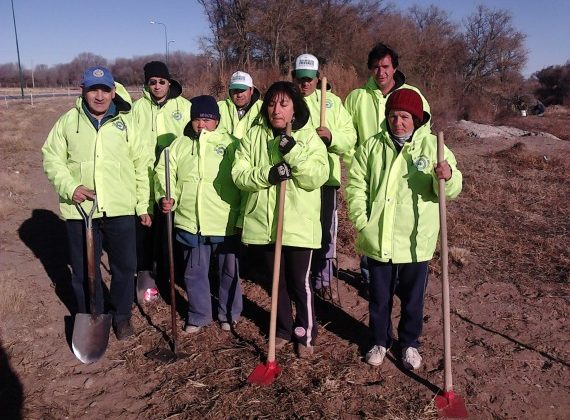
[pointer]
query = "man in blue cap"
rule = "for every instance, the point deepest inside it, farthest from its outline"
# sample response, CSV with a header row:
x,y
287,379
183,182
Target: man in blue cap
x,y
94,150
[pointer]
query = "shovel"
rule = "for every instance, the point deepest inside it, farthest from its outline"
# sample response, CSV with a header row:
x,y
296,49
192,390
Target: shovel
x,y
265,373
448,403
162,354
90,331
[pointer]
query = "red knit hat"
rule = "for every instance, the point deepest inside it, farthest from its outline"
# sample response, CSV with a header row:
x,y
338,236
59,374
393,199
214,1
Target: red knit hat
x,y
406,100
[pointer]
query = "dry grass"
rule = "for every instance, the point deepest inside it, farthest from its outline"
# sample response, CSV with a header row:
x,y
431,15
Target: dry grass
x,y
555,121
12,297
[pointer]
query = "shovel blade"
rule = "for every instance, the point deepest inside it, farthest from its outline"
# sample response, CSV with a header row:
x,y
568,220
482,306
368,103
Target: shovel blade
x,y
264,374
145,281
451,406
90,336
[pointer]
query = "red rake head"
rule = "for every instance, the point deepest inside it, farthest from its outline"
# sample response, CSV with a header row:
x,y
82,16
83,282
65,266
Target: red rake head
x,y
264,374
451,406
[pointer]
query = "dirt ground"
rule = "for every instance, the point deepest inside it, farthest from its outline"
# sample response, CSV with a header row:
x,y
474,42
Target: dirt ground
x,y
510,265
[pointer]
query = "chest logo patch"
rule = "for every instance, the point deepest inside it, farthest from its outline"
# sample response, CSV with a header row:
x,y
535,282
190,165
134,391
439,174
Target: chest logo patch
x,y
422,163
329,104
120,125
220,149
177,115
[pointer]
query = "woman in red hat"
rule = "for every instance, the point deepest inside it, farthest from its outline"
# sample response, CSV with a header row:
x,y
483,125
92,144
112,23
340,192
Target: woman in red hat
x,y
392,201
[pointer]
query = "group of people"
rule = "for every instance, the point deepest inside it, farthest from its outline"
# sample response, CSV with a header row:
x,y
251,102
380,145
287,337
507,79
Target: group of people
x,y
226,162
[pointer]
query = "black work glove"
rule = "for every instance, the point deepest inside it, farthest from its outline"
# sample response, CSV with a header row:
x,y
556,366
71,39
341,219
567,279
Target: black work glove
x,y
278,173
286,143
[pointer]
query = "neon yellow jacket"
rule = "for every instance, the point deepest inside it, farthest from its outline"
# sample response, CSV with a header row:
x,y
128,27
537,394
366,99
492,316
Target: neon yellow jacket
x,y
206,200
367,106
339,122
162,124
230,121
257,153
392,197
113,161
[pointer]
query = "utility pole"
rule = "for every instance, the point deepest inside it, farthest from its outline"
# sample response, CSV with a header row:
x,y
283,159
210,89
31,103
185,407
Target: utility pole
x,y
18,51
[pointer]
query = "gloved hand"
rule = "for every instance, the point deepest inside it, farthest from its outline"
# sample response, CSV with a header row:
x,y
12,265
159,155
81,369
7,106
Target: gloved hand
x,y
278,173
286,143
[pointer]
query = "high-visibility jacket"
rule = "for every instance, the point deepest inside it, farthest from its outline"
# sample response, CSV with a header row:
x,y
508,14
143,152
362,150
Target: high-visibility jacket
x,y
393,197
206,200
339,122
308,159
230,120
162,123
113,161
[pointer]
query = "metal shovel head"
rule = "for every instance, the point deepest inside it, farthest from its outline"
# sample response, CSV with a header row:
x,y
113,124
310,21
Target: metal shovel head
x,y
145,281
451,406
264,374
90,336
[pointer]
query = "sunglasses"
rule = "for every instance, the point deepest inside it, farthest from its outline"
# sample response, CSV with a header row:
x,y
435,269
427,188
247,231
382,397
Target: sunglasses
x,y
153,82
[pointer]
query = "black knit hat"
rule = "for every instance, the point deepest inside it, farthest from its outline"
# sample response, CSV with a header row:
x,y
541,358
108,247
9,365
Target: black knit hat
x,y
204,106
156,69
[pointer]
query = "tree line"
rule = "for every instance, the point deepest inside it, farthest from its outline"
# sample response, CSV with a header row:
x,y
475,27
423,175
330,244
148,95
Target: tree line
x,y
470,69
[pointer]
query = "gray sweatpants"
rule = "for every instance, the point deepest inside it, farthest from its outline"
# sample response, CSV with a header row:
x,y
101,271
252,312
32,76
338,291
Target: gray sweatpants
x,y
322,264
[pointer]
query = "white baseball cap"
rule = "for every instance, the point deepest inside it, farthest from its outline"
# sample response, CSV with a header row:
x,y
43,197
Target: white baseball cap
x,y
306,65
241,80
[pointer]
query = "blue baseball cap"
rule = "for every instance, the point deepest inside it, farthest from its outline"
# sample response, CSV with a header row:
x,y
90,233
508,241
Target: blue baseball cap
x,y
97,75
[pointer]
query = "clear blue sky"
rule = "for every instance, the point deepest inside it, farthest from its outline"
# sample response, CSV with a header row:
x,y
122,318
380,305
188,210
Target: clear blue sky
x,y
55,31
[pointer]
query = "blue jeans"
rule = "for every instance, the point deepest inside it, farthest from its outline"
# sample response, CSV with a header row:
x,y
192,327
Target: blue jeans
x,y
411,281
117,236
196,279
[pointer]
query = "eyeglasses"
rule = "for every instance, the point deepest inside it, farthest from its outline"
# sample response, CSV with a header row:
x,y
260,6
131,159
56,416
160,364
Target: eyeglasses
x,y
153,82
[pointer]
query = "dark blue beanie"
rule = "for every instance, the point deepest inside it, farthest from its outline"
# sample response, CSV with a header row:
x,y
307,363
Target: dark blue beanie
x,y
204,106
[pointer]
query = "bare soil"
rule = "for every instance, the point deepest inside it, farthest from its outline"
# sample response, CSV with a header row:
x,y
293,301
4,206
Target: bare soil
x,y
510,265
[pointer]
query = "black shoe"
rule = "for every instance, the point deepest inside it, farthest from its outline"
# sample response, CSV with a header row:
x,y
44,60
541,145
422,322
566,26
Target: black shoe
x,y
124,329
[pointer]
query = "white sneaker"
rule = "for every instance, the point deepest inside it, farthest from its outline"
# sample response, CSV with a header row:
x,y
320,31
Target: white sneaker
x,y
226,326
375,355
192,329
411,358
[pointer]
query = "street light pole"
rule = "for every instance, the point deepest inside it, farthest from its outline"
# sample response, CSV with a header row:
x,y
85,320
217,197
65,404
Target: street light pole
x,y
18,51
165,38
168,49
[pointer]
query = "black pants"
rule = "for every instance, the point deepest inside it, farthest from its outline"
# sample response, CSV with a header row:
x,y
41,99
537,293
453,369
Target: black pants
x,y
117,236
294,287
411,281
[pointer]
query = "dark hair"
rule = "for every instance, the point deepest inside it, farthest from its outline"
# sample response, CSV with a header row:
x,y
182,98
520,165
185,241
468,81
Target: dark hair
x,y
379,51
300,109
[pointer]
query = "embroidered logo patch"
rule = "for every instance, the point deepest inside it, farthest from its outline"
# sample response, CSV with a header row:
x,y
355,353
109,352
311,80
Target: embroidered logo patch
x,y
120,125
421,163
220,149
300,332
329,104
177,115
98,73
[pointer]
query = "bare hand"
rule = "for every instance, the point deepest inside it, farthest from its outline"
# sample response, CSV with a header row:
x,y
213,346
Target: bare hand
x,y
82,193
443,170
325,135
166,205
146,220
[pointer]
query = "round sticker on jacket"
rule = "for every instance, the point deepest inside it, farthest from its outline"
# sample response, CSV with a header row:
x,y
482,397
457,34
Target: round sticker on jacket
x,y
220,149
421,163
120,125
329,104
177,115
300,332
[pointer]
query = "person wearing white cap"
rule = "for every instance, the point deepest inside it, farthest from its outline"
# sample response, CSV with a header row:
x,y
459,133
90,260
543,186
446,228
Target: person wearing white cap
x,y
240,109
339,136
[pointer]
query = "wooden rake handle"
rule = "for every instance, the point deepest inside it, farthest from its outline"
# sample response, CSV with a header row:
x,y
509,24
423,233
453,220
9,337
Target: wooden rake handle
x,y
323,102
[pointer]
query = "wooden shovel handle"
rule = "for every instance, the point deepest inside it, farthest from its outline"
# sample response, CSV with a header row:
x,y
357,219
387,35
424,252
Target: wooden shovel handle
x,y
277,266
448,382
323,121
